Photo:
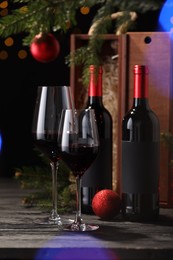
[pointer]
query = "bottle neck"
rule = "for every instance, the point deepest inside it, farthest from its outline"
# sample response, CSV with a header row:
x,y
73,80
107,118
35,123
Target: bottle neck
x,y
140,86
94,100
95,86
140,102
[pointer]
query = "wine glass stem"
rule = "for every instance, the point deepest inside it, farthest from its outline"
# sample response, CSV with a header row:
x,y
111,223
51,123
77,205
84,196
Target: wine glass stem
x,y
78,200
54,167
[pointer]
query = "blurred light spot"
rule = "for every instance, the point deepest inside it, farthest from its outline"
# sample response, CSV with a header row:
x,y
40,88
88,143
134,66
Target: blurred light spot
x,y
22,54
9,41
85,10
4,12
24,9
4,4
66,247
0,142
3,55
166,16
76,254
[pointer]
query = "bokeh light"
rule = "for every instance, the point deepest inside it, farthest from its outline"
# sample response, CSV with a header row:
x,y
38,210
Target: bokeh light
x,y
24,9
4,4
84,10
22,54
0,142
166,16
4,12
9,41
3,55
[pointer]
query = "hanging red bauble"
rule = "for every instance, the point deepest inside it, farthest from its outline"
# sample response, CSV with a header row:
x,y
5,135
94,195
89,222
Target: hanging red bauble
x,y
45,47
106,204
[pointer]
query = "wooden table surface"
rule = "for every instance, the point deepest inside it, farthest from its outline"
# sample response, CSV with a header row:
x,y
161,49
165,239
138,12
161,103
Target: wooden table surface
x,y
21,238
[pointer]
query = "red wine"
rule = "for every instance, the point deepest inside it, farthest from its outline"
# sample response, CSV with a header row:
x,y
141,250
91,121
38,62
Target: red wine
x,y
47,145
140,154
99,174
78,158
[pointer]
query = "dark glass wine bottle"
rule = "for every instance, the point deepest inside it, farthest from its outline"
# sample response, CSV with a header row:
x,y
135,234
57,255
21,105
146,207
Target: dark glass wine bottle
x,y
99,175
140,155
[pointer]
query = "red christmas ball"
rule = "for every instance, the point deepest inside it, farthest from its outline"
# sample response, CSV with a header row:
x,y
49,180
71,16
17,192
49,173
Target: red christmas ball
x,y
106,204
45,47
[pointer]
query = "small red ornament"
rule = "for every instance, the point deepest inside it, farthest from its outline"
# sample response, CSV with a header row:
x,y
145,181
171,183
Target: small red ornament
x,y
45,47
106,204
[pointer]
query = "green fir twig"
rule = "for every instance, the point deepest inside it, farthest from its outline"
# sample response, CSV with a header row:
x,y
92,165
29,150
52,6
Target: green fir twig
x,y
37,179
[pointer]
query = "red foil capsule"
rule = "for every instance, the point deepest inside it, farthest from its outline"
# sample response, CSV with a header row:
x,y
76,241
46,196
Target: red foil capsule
x,y
95,87
140,81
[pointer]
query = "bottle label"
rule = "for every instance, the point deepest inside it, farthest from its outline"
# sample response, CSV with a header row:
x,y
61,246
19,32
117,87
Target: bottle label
x,y
140,167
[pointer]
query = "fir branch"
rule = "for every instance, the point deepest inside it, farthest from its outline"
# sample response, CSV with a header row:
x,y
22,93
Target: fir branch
x,y
53,15
22,20
38,180
41,16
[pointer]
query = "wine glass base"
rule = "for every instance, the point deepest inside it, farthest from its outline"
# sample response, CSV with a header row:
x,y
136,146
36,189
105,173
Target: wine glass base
x,y
49,221
80,227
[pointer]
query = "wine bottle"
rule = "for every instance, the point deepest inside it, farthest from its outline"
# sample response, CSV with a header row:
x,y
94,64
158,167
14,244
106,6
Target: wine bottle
x,y
140,154
99,174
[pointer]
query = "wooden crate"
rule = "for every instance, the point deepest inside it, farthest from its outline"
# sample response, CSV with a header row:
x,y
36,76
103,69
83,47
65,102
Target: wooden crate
x,y
154,50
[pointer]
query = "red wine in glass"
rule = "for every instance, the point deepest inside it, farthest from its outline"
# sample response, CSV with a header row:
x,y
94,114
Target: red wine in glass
x,y
78,144
79,158
50,102
48,147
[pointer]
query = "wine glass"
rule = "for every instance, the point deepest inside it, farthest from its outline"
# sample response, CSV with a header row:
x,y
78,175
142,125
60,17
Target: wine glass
x,y
78,144
50,101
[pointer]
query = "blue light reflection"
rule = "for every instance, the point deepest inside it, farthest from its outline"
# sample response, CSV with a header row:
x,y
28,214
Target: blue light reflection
x,y
166,16
75,246
0,142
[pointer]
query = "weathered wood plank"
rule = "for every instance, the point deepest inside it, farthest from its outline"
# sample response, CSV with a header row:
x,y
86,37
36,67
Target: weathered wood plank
x,y
21,238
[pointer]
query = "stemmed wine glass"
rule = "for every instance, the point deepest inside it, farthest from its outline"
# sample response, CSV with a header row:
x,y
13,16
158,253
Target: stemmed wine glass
x,y
78,144
50,101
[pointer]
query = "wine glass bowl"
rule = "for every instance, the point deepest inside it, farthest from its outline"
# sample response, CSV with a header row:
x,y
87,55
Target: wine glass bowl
x,y
50,102
78,144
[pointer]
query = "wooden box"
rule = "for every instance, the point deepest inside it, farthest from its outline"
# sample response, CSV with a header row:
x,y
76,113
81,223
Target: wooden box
x,y
120,54
153,49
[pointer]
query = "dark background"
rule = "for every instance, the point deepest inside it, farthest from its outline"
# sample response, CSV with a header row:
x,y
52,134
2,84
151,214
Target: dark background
x,y
18,86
